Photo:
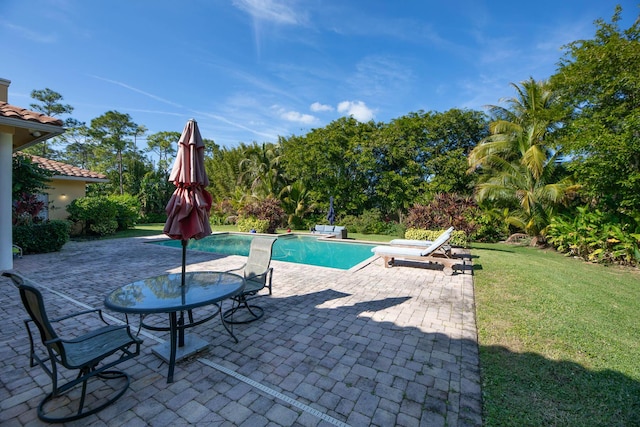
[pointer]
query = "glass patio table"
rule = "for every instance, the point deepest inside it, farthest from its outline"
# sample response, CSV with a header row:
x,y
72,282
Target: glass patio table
x,y
165,294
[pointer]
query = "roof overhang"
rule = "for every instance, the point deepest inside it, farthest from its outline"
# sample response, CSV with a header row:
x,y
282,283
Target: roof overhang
x,y
27,133
79,178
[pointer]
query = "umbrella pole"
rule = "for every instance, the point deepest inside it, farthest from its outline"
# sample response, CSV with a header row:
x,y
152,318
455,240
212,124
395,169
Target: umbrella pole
x,y
184,261
182,283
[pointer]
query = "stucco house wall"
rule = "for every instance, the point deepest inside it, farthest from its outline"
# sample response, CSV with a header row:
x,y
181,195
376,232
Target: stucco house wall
x,y
67,184
61,193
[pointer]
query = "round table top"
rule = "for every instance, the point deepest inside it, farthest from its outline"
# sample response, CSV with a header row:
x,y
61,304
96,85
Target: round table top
x,y
165,294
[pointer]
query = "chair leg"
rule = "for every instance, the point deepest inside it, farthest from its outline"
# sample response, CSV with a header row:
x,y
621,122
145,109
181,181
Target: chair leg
x,y
81,413
255,312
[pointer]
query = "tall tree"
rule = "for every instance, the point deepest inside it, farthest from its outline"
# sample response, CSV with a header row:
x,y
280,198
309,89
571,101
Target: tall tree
x,y
599,79
223,170
327,161
260,170
450,137
519,167
418,155
114,131
164,145
135,167
50,105
80,145
394,166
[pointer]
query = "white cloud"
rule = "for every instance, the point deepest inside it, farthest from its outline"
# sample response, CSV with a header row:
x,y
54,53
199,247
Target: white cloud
x,y
28,33
294,116
277,11
357,109
316,107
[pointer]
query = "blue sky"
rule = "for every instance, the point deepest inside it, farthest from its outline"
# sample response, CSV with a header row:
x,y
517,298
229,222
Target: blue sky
x,y
250,70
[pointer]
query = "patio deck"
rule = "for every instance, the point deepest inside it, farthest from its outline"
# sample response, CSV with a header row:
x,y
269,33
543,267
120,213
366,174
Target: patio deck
x,y
373,347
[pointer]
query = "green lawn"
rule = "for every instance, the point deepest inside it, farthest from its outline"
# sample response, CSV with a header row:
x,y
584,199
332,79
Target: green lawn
x,y
559,339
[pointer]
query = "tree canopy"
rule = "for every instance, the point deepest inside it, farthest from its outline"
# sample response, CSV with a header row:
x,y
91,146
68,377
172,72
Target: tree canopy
x,y
519,167
599,81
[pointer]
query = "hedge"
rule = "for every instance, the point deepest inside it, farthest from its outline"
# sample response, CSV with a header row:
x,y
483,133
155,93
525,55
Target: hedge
x,y
458,237
44,237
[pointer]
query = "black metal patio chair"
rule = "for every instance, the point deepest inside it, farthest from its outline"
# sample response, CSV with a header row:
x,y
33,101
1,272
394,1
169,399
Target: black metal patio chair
x,y
257,275
85,353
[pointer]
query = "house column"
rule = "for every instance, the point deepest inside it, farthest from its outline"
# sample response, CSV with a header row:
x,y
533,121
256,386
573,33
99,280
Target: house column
x,y
6,230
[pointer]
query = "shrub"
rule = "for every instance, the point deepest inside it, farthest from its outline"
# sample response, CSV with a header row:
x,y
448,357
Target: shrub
x,y
298,223
491,226
104,228
26,209
48,236
444,211
369,222
153,217
222,213
395,229
458,237
97,215
248,224
268,209
127,210
596,236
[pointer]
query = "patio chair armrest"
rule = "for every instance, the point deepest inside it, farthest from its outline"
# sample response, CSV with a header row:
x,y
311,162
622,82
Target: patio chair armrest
x,y
79,313
93,334
236,269
263,274
263,278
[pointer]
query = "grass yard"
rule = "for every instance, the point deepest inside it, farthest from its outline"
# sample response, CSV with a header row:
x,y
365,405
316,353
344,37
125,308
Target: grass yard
x,y
559,339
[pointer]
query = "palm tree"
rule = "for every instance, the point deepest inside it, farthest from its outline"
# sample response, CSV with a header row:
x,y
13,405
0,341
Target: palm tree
x,y
296,200
260,170
519,169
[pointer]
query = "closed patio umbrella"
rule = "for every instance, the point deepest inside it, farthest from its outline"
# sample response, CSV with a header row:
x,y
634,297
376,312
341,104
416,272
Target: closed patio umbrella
x,y
331,215
189,205
188,208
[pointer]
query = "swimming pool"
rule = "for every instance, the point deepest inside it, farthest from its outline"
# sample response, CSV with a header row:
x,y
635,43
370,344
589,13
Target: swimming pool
x,y
295,248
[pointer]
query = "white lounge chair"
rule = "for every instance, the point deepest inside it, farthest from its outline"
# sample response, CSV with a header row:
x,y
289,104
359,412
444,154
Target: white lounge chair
x,y
418,243
434,253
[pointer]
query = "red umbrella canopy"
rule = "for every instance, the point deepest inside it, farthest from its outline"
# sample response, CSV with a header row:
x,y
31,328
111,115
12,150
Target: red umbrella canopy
x,y
188,208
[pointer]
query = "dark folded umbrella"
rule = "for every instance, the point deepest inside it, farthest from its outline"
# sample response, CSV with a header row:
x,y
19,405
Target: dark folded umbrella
x,y
331,215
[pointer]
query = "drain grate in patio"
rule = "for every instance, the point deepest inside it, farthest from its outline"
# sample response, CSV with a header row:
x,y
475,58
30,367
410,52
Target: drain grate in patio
x,y
275,394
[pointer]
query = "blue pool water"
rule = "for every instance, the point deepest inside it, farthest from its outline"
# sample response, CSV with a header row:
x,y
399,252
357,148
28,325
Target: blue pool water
x,y
289,247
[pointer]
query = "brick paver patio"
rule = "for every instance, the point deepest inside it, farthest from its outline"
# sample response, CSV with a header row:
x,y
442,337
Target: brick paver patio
x,y
372,347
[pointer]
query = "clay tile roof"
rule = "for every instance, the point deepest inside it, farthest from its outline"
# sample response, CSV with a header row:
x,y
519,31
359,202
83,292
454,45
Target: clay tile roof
x,y
63,169
12,111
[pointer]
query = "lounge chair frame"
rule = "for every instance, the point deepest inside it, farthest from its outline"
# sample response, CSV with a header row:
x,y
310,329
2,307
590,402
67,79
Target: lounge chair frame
x,y
438,252
86,353
446,261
